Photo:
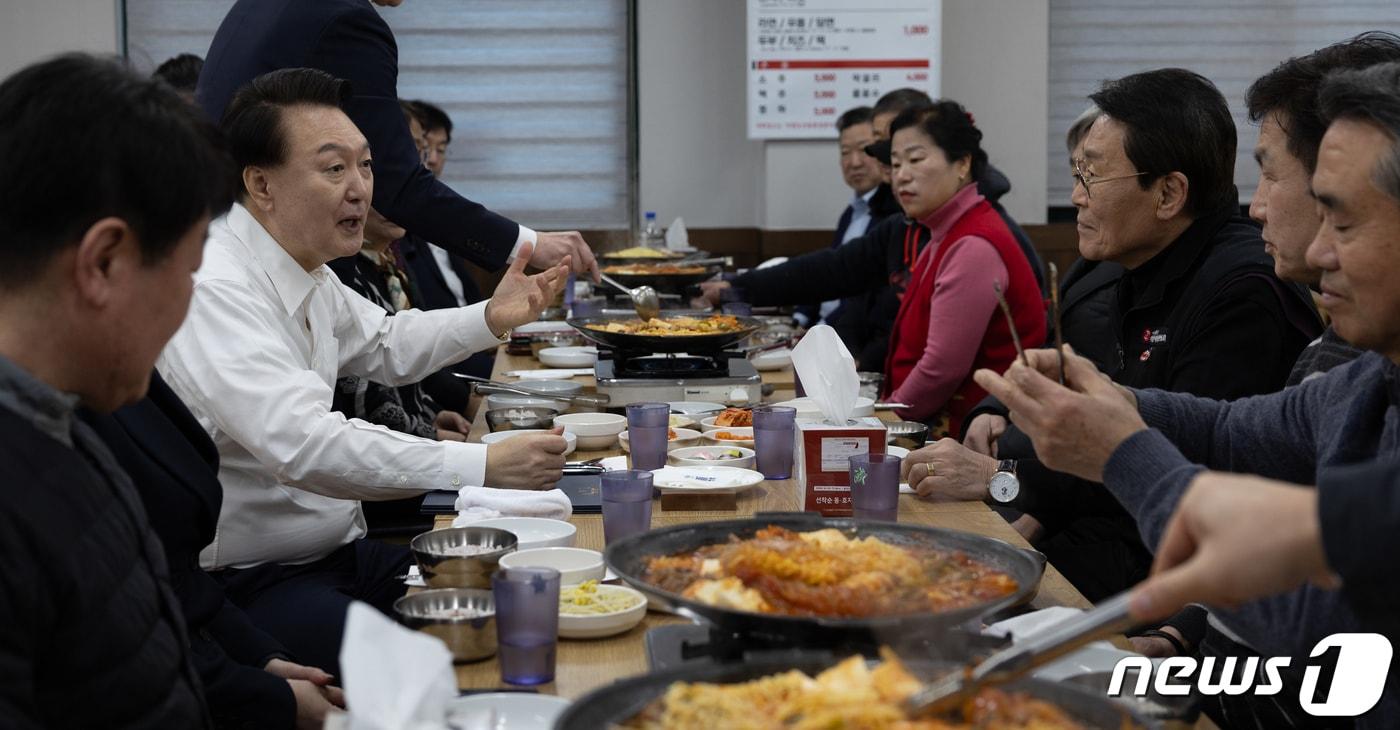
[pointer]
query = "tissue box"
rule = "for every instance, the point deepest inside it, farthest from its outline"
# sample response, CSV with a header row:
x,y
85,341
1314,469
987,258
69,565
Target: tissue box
x,y
822,460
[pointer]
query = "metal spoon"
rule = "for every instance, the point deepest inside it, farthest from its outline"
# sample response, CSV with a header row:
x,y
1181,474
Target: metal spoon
x,y
644,298
1108,618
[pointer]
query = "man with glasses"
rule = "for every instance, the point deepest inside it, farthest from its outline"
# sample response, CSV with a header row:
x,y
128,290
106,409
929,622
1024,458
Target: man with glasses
x,y
1198,308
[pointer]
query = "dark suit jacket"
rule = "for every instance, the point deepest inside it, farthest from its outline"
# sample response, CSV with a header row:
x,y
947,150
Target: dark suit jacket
x,y
430,292
175,468
349,40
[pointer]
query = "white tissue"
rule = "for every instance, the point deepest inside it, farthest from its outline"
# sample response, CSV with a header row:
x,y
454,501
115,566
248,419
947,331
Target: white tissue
x,y
395,678
828,373
677,238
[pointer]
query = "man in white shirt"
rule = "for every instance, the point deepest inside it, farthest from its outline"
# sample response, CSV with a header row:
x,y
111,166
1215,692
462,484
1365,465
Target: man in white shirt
x,y
269,331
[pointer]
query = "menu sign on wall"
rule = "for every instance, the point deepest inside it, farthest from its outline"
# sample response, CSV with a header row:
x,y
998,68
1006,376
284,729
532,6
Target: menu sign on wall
x,y
810,60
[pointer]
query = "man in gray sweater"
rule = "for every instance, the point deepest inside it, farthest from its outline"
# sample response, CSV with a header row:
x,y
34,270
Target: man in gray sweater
x,y
1148,446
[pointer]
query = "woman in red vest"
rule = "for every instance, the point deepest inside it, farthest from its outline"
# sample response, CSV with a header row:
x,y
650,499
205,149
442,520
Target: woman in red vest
x,y
958,248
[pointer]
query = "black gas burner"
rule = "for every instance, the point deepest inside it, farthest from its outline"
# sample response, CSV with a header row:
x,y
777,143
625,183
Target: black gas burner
x,y
677,645
668,365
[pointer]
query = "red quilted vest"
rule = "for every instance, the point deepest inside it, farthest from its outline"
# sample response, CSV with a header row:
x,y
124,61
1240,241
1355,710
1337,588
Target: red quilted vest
x,y
996,350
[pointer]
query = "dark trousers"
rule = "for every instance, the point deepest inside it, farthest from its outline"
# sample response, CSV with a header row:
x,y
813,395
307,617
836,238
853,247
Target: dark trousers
x,y
1100,554
304,606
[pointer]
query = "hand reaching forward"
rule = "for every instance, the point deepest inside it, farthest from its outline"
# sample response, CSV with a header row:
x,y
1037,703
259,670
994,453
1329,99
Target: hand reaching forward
x,y
520,298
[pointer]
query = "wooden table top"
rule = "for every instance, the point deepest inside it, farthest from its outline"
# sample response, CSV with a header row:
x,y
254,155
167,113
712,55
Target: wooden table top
x,y
586,664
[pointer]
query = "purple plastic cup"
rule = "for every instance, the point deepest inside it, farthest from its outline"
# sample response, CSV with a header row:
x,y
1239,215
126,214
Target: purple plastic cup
x,y
588,306
527,623
773,440
875,487
647,427
626,504
738,309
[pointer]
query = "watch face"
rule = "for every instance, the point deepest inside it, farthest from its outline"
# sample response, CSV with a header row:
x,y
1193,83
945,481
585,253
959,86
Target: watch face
x,y
1004,487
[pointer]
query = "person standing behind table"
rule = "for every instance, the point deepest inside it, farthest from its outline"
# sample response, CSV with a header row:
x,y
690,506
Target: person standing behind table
x,y
443,278
91,634
348,40
871,202
270,330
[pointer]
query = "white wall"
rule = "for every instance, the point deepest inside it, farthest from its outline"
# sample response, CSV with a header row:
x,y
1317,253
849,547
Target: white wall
x,y
697,162
31,30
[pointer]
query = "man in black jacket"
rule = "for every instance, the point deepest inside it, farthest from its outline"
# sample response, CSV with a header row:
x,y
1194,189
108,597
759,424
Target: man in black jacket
x,y
1198,310
348,40
95,276
249,678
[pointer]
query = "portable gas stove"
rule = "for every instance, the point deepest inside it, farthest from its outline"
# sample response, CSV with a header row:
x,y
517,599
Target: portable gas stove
x,y
642,377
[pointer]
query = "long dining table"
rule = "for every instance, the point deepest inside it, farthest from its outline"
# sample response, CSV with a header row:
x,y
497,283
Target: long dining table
x,y
583,665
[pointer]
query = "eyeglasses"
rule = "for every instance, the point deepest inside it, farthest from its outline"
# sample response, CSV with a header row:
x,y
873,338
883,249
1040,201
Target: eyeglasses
x,y
1088,180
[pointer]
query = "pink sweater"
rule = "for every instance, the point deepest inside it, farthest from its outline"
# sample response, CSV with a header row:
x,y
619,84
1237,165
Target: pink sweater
x,y
963,303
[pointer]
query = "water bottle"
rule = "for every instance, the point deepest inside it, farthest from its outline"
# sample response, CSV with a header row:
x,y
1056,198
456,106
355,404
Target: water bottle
x,y
652,235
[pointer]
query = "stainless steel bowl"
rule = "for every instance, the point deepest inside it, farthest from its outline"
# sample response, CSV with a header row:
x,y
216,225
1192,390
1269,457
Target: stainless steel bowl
x,y
470,638
441,569
909,434
518,417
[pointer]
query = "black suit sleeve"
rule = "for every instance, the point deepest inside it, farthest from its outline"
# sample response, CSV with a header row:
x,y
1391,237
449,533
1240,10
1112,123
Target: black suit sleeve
x,y
24,600
359,47
831,273
241,696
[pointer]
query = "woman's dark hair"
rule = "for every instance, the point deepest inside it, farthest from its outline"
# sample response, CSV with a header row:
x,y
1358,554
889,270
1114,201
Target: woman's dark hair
x,y
1369,95
1290,89
83,138
253,120
1176,121
950,127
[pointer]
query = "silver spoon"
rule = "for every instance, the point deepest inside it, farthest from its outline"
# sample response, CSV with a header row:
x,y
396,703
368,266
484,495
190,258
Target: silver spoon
x,y
644,298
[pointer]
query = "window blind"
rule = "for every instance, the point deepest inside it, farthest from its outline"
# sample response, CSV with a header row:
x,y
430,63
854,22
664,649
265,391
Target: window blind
x,y
1230,42
537,91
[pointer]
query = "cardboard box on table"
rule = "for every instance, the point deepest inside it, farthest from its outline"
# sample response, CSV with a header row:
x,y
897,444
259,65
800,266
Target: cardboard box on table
x,y
821,459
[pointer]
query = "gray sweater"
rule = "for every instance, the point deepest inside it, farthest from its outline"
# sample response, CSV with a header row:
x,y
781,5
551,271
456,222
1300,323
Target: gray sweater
x,y
1347,416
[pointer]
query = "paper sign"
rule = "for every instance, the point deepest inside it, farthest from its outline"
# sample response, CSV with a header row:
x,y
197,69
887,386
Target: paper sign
x,y
811,60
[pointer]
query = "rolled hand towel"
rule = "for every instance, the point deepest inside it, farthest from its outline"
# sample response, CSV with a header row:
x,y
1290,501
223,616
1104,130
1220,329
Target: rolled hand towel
x,y
482,503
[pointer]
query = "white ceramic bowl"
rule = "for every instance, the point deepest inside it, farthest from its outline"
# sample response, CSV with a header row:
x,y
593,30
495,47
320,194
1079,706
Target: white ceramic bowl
x,y
684,437
680,421
569,357
747,433
554,387
505,710
594,430
596,625
533,532
575,565
499,436
695,456
772,359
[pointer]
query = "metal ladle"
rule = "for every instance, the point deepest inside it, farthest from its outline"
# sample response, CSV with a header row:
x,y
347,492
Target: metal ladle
x,y
644,298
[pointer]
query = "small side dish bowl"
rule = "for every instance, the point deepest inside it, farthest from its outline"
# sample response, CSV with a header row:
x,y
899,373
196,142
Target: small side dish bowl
x,y
461,557
575,565
463,618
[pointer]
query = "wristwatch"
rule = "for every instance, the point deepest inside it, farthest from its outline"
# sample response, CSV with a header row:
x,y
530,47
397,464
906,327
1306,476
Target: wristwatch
x,y
1004,485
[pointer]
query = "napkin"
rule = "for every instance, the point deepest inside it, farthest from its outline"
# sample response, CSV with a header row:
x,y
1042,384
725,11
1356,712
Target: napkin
x,y
484,503
395,679
677,238
828,373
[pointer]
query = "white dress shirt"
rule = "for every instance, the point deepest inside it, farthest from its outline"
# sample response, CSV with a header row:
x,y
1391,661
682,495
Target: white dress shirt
x,y
449,277
860,221
256,361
